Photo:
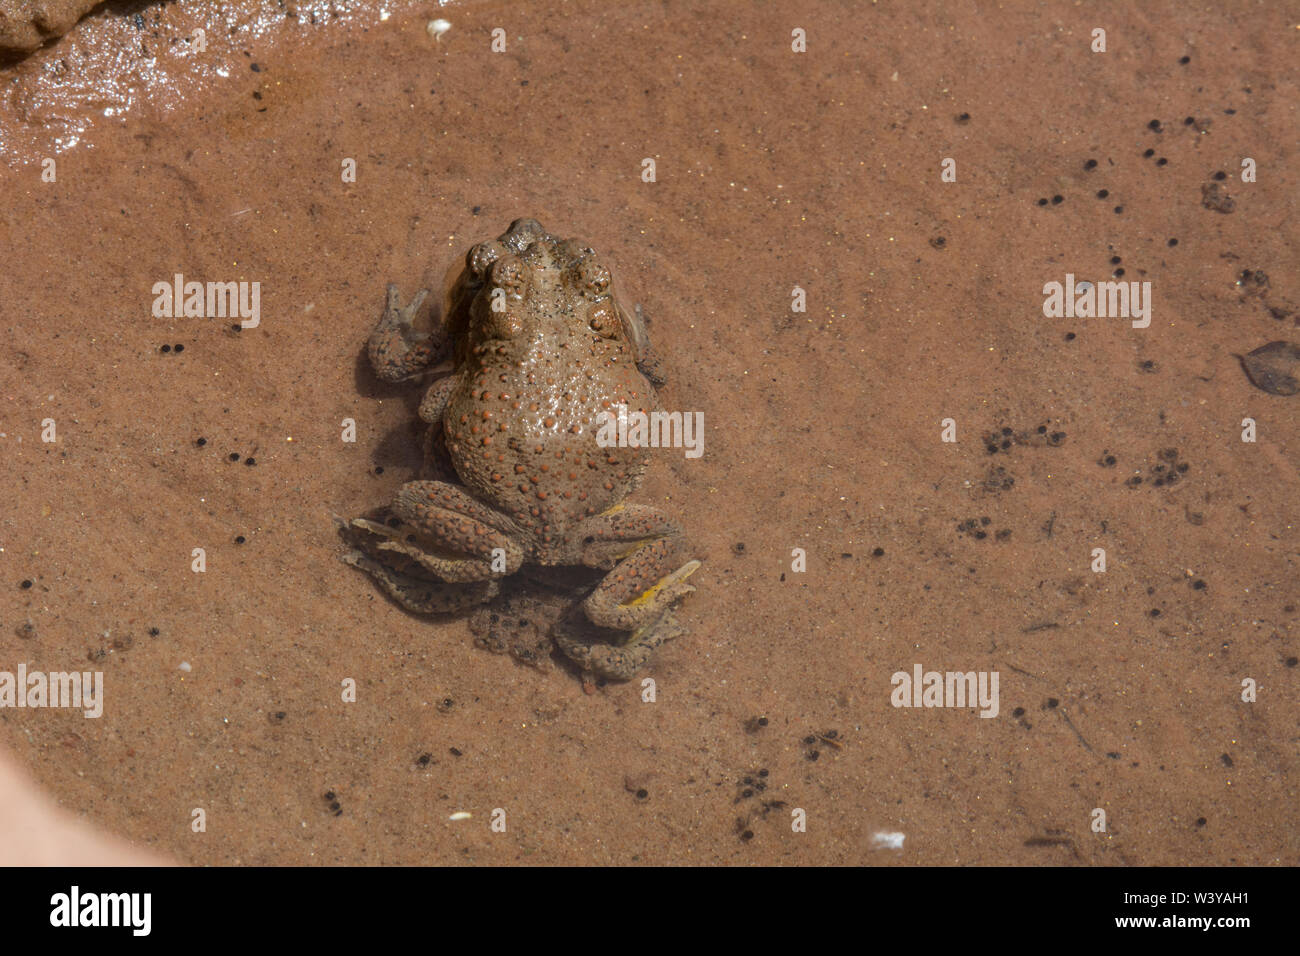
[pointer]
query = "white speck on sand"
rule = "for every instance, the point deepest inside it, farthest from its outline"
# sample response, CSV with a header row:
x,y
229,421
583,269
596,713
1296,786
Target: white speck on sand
x,y
887,841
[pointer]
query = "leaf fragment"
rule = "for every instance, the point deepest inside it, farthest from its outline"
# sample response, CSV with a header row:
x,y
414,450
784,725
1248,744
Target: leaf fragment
x,y
1274,368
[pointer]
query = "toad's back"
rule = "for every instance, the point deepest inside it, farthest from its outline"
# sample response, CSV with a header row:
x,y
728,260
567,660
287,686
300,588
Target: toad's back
x,y
535,374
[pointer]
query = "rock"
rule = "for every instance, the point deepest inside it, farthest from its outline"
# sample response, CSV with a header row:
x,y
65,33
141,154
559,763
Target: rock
x,y
25,25
1214,196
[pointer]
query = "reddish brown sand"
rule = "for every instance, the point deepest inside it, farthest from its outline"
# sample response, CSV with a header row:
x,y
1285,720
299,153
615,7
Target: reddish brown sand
x,y
775,169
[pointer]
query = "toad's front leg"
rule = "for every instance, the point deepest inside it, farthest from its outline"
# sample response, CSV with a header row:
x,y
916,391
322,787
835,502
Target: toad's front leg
x,y
397,350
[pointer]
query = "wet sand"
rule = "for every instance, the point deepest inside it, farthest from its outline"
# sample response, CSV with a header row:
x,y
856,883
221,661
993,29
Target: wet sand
x,y
1118,690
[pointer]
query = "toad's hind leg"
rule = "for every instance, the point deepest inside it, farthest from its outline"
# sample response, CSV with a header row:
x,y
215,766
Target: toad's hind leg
x,y
421,595
650,573
456,538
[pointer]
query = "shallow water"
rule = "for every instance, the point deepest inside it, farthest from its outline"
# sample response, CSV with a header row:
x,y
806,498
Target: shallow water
x,y
1119,690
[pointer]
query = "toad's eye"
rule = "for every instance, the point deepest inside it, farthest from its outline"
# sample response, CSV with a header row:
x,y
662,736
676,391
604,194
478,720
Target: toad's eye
x,y
603,321
482,256
509,274
571,250
590,278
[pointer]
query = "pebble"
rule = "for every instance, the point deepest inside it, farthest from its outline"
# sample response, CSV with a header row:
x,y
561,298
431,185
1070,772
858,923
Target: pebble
x,y
886,840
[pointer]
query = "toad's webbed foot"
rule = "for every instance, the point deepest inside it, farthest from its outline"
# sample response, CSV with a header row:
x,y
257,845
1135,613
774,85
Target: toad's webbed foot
x,y
419,594
617,661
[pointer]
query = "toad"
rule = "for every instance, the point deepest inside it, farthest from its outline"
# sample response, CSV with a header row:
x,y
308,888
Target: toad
x,y
540,346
